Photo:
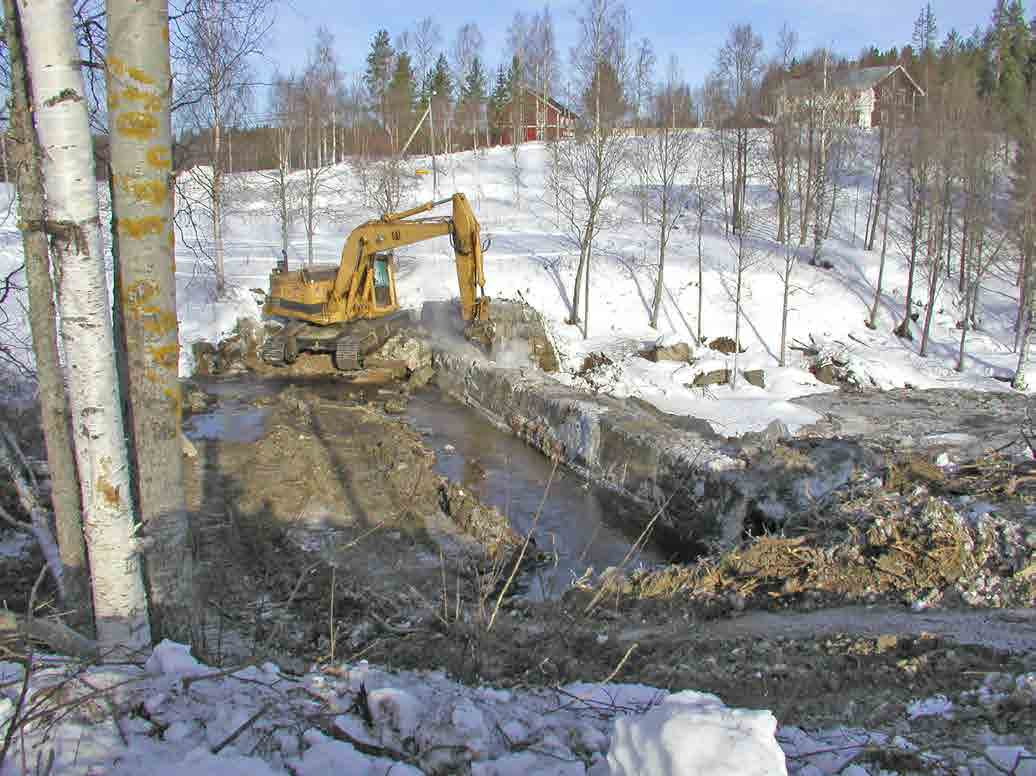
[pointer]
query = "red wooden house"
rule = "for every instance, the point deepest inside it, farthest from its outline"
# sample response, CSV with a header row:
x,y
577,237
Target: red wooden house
x,y
534,117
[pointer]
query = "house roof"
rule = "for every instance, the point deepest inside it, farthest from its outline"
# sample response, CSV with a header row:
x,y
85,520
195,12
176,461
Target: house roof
x,y
855,79
552,103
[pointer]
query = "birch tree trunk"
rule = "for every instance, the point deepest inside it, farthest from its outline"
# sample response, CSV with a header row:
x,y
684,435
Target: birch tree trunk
x,y
139,82
53,399
120,605
217,203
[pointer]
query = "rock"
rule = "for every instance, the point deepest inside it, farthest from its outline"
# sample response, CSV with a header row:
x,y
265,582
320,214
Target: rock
x,y
204,358
406,348
395,406
826,374
724,345
195,401
681,351
252,335
421,377
775,431
755,377
715,377
188,447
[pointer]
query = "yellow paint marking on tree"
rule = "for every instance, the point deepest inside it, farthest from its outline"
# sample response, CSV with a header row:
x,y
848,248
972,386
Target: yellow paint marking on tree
x,y
137,294
109,491
166,356
136,124
159,322
159,156
139,75
152,101
141,227
151,192
116,66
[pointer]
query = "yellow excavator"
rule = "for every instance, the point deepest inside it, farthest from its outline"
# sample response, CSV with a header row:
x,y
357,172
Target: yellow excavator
x,y
351,309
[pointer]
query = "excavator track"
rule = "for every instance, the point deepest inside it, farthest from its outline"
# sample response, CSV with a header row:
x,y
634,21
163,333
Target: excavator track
x,y
280,350
347,354
273,351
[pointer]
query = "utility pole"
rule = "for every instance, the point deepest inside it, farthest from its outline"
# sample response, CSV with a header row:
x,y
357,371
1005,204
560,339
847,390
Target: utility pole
x,y
431,133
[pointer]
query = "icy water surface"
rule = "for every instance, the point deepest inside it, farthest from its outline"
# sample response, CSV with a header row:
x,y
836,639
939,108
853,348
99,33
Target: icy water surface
x,y
232,418
579,525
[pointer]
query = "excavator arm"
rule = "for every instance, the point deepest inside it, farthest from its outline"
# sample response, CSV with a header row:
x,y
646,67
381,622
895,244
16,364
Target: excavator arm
x,y
393,230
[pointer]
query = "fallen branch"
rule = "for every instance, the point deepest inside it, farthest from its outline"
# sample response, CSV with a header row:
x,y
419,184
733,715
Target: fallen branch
x,y
17,719
52,632
241,729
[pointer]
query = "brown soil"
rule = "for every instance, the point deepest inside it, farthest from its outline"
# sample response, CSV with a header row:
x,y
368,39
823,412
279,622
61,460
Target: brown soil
x,y
327,539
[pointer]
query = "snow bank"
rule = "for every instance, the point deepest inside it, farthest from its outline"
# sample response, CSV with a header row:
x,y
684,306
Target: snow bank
x,y
364,721
693,733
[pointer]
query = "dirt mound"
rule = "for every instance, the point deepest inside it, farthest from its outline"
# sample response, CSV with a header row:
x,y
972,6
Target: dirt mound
x,y
919,548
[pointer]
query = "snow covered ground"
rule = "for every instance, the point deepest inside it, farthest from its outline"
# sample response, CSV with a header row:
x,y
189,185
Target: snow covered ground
x,y
172,715
532,255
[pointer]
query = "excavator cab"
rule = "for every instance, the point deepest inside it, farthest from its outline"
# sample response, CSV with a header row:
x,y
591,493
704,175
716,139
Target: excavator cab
x,y
384,282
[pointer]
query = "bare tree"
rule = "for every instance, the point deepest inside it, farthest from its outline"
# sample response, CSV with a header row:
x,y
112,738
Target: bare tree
x,y
740,65
141,152
781,130
703,188
42,315
788,261
309,98
596,157
466,46
746,253
280,186
213,43
120,604
1023,226
643,74
915,176
663,160
427,35
888,160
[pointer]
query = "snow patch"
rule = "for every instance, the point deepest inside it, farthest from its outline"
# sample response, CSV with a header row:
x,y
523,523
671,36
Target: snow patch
x,y
693,733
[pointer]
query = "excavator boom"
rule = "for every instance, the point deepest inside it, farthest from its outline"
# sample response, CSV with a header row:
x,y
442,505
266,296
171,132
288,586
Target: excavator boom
x,y
393,231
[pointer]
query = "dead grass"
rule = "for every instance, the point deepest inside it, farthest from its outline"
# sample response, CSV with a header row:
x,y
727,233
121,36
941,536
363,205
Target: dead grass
x,y
927,546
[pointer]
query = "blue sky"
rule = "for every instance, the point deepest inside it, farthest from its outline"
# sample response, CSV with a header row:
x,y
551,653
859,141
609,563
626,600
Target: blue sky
x,y
692,29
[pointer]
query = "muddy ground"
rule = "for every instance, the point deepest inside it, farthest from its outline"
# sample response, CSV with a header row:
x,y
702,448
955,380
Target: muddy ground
x,y
326,535
341,483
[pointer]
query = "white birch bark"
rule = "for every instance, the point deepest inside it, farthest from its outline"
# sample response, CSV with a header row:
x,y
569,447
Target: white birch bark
x,y
120,605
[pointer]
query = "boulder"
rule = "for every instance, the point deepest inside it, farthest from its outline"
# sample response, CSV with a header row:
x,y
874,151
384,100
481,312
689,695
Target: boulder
x,y
421,377
204,358
755,377
681,351
414,352
724,345
825,373
715,377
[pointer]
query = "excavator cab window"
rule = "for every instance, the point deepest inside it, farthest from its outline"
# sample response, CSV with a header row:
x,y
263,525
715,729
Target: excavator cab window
x,y
382,280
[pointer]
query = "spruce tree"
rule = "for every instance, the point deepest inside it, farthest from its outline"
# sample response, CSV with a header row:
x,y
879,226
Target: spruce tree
x,y
379,70
500,99
401,95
